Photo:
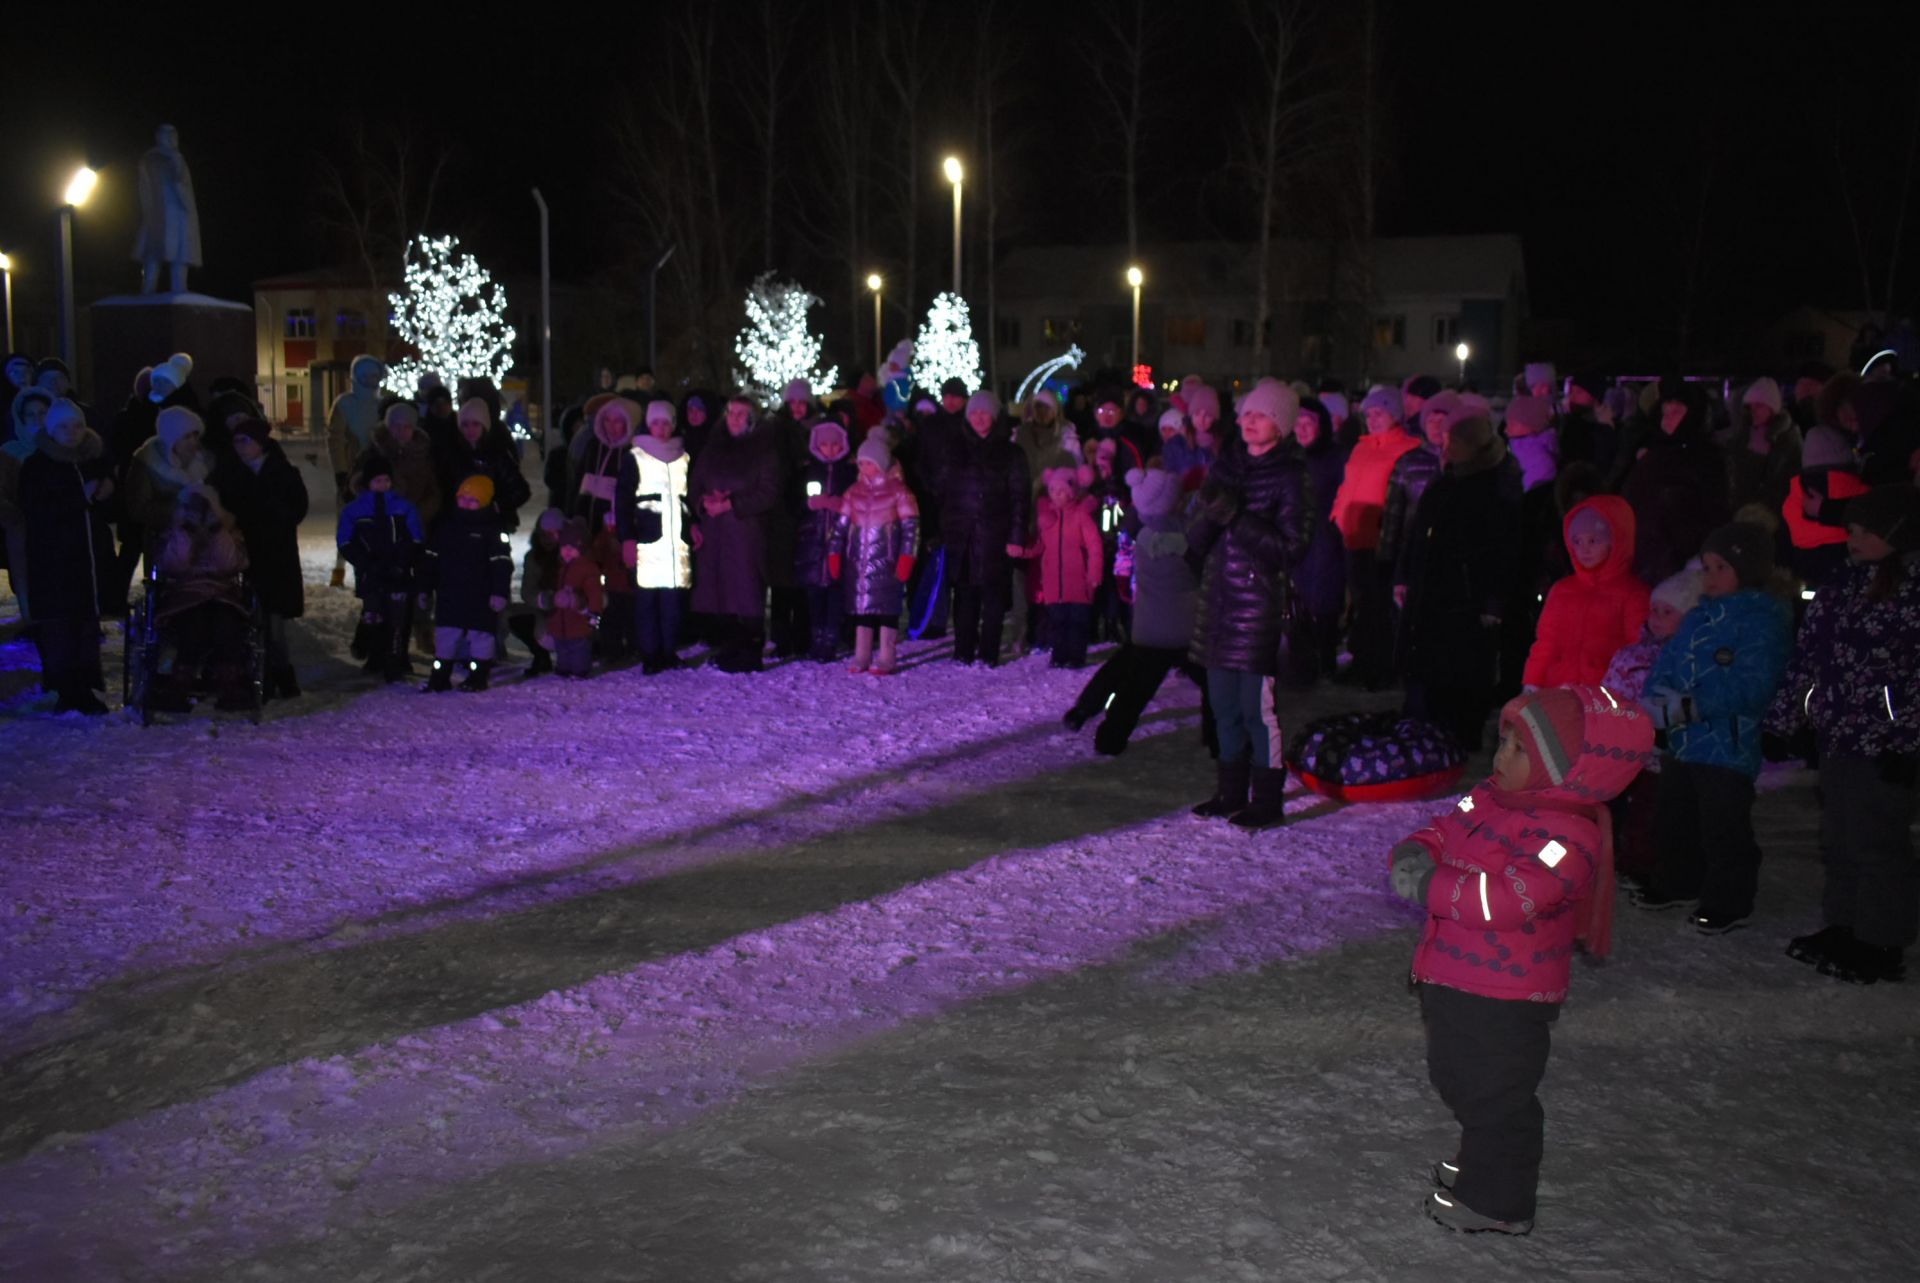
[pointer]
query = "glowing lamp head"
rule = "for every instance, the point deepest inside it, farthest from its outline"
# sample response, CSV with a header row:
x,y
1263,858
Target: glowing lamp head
x,y
1461,352
6,264
80,186
952,168
1135,277
873,281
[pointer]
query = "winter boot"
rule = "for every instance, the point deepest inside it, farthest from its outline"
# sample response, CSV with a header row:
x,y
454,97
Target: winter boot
x,y
1860,963
1110,740
338,579
1449,1211
883,666
1815,949
282,683
1269,806
542,662
1445,1174
1229,793
477,676
862,650
440,678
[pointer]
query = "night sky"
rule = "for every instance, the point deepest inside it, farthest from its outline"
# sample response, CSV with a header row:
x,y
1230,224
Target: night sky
x,y
1614,142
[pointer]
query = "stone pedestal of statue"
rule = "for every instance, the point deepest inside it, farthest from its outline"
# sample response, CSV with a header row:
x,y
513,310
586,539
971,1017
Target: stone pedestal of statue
x,y
135,330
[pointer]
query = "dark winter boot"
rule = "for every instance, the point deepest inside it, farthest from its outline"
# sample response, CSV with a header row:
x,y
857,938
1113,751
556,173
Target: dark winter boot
x,y
1269,805
477,676
441,678
542,662
1229,793
1821,945
285,684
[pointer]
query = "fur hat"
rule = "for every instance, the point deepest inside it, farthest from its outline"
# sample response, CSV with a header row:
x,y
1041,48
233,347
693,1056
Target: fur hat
x,y
1202,399
1173,419
1527,415
175,422
1538,372
984,399
1828,447
573,534
1446,405
1385,398
1762,391
1274,399
1155,490
826,430
552,520
626,407
660,411
1891,512
479,486
174,370
797,390
1473,446
1682,590
1069,474
875,449
1424,386
373,464
953,387
1748,549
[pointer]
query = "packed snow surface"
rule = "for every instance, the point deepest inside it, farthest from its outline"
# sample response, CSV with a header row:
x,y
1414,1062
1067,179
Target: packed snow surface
x,y
811,976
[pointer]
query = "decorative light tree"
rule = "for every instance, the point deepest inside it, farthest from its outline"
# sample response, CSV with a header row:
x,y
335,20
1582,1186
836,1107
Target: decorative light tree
x,y
454,315
774,346
945,349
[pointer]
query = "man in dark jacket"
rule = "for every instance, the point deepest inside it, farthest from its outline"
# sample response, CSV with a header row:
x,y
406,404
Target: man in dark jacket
x,y
923,455
263,490
984,499
1678,486
1254,521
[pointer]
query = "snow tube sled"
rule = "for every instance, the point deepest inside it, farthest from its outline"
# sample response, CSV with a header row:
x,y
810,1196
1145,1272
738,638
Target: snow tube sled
x,y
1375,757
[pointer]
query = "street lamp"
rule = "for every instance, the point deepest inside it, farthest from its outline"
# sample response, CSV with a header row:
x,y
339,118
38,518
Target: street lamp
x,y
79,187
952,167
1461,353
874,283
6,275
1136,278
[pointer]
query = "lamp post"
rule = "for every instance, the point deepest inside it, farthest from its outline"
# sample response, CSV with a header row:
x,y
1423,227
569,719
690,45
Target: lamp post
x,y
954,175
1461,353
874,283
546,327
1136,278
6,275
79,187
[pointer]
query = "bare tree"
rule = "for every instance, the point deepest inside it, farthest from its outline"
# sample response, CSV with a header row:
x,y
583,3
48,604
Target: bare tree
x,y
777,24
900,30
376,202
845,147
993,84
1119,64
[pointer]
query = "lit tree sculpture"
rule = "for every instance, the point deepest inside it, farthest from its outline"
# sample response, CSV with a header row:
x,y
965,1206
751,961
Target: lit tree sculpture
x,y
454,315
945,349
775,347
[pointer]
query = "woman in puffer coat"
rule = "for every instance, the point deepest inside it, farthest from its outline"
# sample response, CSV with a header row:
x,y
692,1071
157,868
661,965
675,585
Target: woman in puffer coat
x,y
1855,676
657,534
481,446
1254,516
1320,581
875,539
815,499
66,486
1597,609
985,501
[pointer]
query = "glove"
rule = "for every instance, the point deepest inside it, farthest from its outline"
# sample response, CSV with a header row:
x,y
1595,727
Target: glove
x,y
1668,708
1901,770
833,566
903,569
1412,870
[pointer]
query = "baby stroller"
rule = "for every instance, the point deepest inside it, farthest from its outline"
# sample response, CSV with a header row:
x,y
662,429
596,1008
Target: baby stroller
x,y
176,652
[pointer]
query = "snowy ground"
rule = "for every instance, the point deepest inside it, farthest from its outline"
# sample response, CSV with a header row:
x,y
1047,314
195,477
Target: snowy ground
x,y
808,976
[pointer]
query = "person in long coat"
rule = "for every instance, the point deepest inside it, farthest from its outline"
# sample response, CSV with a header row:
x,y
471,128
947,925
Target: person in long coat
x,y
1321,578
1677,486
267,497
735,485
65,486
986,498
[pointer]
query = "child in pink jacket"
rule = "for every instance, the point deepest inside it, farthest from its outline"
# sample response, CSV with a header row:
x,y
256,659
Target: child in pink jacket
x,y
1510,879
1071,562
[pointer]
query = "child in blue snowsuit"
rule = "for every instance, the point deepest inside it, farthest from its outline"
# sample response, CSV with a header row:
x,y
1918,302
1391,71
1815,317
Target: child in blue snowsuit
x,y
380,535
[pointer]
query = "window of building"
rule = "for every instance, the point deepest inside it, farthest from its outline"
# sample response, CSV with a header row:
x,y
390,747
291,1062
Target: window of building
x,y
1006,331
1446,333
350,324
1059,329
1186,331
299,322
1390,332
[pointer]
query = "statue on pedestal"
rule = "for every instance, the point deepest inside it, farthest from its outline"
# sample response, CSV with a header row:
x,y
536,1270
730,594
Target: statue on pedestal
x,y
169,221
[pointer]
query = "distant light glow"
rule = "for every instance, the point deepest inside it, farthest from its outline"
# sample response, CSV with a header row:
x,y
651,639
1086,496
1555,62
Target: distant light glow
x,y
80,186
1134,277
6,264
775,346
952,169
874,282
946,348
455,316
1462,352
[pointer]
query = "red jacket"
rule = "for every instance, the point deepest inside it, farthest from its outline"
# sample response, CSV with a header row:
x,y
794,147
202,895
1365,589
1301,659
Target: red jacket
x,y
582,574
1515,870
1804,530
1590,614
1068,553
1361,501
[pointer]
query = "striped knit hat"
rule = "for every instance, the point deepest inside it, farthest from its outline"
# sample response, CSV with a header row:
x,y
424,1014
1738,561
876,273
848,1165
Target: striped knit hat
x,y
1550,724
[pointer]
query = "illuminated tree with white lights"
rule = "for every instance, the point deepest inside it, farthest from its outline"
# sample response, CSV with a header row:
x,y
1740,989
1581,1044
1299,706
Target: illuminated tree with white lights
x,y
945,349
454,315
775,346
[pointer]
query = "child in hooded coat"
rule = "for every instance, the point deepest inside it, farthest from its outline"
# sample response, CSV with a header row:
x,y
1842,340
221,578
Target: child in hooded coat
x,y
1510,879
1070,562
827,475
1165,595
1635,811
380,535
871,556
577,599
470,569
1597,609
539,578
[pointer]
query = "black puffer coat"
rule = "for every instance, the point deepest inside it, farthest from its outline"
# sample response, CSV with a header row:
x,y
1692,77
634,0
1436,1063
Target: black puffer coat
x,y
69,547
1678,492
467,561
1463,561
268,507
985,504
1253,520
814,538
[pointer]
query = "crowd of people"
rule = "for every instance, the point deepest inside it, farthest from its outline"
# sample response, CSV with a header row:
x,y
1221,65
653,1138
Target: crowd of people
x,y
1656,586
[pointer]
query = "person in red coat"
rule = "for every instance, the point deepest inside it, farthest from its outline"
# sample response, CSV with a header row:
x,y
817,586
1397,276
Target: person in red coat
x,y
1071,562
1510,879
1597,609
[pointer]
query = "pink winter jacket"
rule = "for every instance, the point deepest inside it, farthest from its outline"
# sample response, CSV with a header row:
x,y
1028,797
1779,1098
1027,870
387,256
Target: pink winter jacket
x,y
1591,613
1068,552
1506,902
